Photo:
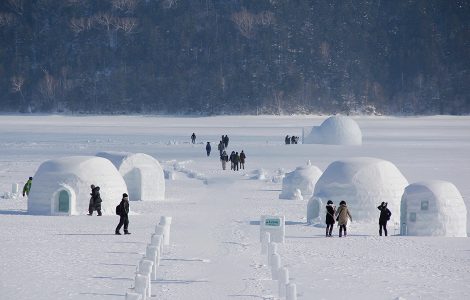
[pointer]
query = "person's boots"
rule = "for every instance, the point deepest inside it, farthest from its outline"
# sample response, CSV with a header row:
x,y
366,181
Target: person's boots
x,y
117,233
126,232
326,234
99,213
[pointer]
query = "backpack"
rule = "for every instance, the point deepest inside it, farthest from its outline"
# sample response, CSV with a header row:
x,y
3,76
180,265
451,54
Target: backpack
x,y
389,214
118,210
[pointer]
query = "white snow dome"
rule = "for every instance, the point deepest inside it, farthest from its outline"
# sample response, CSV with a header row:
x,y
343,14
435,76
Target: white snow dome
x,y
433,208
336,130
303,178
142,173
364,183
62,186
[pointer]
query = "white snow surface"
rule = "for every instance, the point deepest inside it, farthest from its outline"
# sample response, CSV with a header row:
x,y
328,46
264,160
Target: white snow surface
x,y
75,175
336,130
433,208
363,182
215,249
142,173
303,178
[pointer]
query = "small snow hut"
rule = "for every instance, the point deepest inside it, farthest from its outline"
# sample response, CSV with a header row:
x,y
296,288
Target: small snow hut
x,y
142,173
62,186
303,178
336,130
433,208
363,182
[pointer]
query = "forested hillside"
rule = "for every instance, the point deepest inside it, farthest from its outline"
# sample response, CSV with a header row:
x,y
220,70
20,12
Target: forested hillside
x,y
235,56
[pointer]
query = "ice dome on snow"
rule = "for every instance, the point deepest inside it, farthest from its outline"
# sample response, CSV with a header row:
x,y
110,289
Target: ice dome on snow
x,y
336,130
142,173
363,182
303,178
62,186
433,208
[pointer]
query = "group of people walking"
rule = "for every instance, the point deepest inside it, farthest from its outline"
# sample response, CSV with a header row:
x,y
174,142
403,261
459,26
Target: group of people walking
x,y
342,216
237,161
291,140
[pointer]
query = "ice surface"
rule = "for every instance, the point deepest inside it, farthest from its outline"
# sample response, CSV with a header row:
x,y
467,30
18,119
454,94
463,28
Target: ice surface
x,y
75,175
433,208
336,130
363,182
142,173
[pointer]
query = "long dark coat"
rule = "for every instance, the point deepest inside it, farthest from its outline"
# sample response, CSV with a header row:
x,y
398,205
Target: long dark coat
x,y
385,214
96,198
330,214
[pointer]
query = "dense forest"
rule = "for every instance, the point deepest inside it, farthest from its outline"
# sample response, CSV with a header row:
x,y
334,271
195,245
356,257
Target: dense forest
x,y
235,56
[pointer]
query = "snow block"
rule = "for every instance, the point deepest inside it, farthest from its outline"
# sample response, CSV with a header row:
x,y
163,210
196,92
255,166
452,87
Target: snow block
x,y
62,186
336,130
302,178
433,208
363,182
142,173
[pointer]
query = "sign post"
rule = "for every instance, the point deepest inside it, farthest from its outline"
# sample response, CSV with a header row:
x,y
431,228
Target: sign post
x,y
275,225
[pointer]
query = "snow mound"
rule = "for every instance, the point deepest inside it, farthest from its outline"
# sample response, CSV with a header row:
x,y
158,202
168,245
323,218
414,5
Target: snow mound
x,y
303,178
433,208
62,186
363,182
259,174
142,173
336,130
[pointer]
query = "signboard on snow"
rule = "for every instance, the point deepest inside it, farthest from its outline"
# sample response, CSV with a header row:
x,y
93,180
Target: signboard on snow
x,y
275,225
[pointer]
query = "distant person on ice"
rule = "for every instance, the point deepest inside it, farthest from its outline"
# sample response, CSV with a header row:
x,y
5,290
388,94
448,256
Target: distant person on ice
x,y
27,186
95,200
236,160
287,140
232,160
242,160
193,138
226,140
224,159
343,216
330,217
220,147
385,215
208,148
123,211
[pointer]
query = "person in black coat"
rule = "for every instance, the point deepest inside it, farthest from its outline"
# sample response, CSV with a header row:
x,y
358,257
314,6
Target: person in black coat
x,y
242,160
330,217
123,215
226,140
95,200
193,138
385,215
208,148
232,160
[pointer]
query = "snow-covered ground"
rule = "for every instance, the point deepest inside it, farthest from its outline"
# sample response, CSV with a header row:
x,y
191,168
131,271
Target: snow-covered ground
x,y
215,250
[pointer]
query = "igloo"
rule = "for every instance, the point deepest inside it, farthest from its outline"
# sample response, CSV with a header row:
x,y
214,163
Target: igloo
x,y
62,186
142,173
363,182
303,178
433,208
336,130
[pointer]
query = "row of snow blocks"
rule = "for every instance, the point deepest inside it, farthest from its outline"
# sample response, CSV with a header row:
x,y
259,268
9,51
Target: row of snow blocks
x,y
275,225
145,270
265,241
152,253
163,228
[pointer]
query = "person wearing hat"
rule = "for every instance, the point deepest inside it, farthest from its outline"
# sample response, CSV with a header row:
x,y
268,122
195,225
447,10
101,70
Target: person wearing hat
x,y
343,215
27,186
330,217
123,209
385,215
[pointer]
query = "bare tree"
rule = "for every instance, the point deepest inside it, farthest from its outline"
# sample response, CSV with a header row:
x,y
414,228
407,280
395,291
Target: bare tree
x,y
48,87
265,18
6,19
80,24
169,3
125,24
124,5
17,6
17,83
104,19
245,22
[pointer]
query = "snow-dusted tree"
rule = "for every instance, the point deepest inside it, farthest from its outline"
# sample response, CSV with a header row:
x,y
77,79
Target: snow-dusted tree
x,y
17,83
125,24
17,6
124,5
245,22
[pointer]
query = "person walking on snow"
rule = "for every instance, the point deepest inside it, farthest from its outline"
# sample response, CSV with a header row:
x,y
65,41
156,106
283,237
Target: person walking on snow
x,y
226,140
242,160
385,215
95,200
232,160
224,159
208,148
123,210
343,215
236,160
27,186
220,147
193,138
330,217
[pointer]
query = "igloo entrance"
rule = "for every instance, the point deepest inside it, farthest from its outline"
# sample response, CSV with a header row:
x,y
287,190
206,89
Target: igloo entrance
x,y
64,201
